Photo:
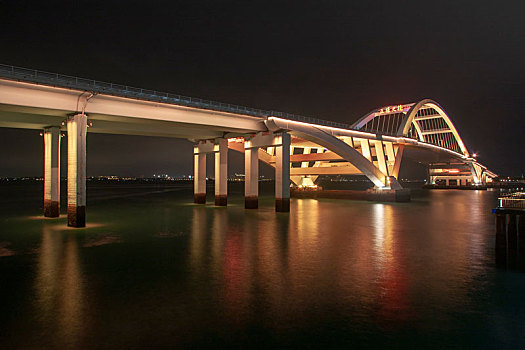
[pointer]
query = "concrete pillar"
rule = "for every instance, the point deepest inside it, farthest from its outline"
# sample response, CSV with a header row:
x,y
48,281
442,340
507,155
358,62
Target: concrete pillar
x,y
76,170
221,172
282,174
251,178
199,177
52,172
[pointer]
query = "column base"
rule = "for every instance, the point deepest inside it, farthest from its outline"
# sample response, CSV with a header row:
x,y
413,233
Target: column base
x,y
76,216
221,200
51,208
251,202
199,198
282,205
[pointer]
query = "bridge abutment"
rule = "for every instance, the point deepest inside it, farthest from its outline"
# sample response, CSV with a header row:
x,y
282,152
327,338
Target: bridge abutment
x,y
76,170
52,172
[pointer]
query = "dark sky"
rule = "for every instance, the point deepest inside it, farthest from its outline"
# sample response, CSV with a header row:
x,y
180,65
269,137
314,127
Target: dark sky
x,y
335,60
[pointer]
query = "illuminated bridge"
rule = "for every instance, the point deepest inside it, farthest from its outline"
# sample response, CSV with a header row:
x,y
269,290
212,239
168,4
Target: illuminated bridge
x,y
299,148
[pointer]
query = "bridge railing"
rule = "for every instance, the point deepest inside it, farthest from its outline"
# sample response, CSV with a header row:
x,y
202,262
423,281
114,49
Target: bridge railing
x,y
512,201
95,86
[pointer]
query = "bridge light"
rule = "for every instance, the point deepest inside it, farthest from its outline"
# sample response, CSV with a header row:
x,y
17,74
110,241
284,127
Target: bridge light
x,y
474,155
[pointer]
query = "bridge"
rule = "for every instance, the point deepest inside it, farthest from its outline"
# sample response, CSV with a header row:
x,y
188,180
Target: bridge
x,y
299,148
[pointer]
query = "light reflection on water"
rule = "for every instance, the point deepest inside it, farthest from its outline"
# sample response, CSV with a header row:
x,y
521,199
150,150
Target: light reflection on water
x,y
59,287
157,272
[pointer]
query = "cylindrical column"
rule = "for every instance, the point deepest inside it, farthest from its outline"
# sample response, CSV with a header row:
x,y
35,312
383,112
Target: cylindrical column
x,y
76,170
221,172
251,178
199,177
52,172
282,174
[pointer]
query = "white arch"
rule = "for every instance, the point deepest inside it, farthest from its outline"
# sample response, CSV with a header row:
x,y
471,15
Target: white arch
x,y
409,120
378,112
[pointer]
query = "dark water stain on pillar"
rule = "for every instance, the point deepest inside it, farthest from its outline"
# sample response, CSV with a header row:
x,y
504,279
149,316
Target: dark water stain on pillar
x,y
199,198
76,216
251,202
51,208
282,205
221,200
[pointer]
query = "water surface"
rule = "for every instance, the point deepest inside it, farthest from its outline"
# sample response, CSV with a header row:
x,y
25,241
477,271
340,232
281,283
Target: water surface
x,y
154,270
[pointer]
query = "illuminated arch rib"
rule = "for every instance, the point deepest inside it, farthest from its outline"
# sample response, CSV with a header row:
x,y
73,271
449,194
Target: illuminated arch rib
x,y
425,121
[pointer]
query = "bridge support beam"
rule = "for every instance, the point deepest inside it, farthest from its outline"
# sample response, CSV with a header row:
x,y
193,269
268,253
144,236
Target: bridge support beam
x,y
282,173
221,172
251,177
52,172
398,158
76,170
199,177
380,155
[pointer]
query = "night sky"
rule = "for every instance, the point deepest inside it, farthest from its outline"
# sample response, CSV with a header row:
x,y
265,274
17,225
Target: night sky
x,y
334,60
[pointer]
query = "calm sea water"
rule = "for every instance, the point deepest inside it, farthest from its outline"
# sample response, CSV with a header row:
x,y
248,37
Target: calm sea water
x,y
152,270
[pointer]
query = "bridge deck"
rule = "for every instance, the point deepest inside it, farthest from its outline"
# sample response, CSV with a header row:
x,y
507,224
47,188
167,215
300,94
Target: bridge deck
x,y
82,84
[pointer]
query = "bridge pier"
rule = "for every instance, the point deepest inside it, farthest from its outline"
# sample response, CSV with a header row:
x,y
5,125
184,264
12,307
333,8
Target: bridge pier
x,y
199,176
282,173
251,176
52,172
221,172
76,170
